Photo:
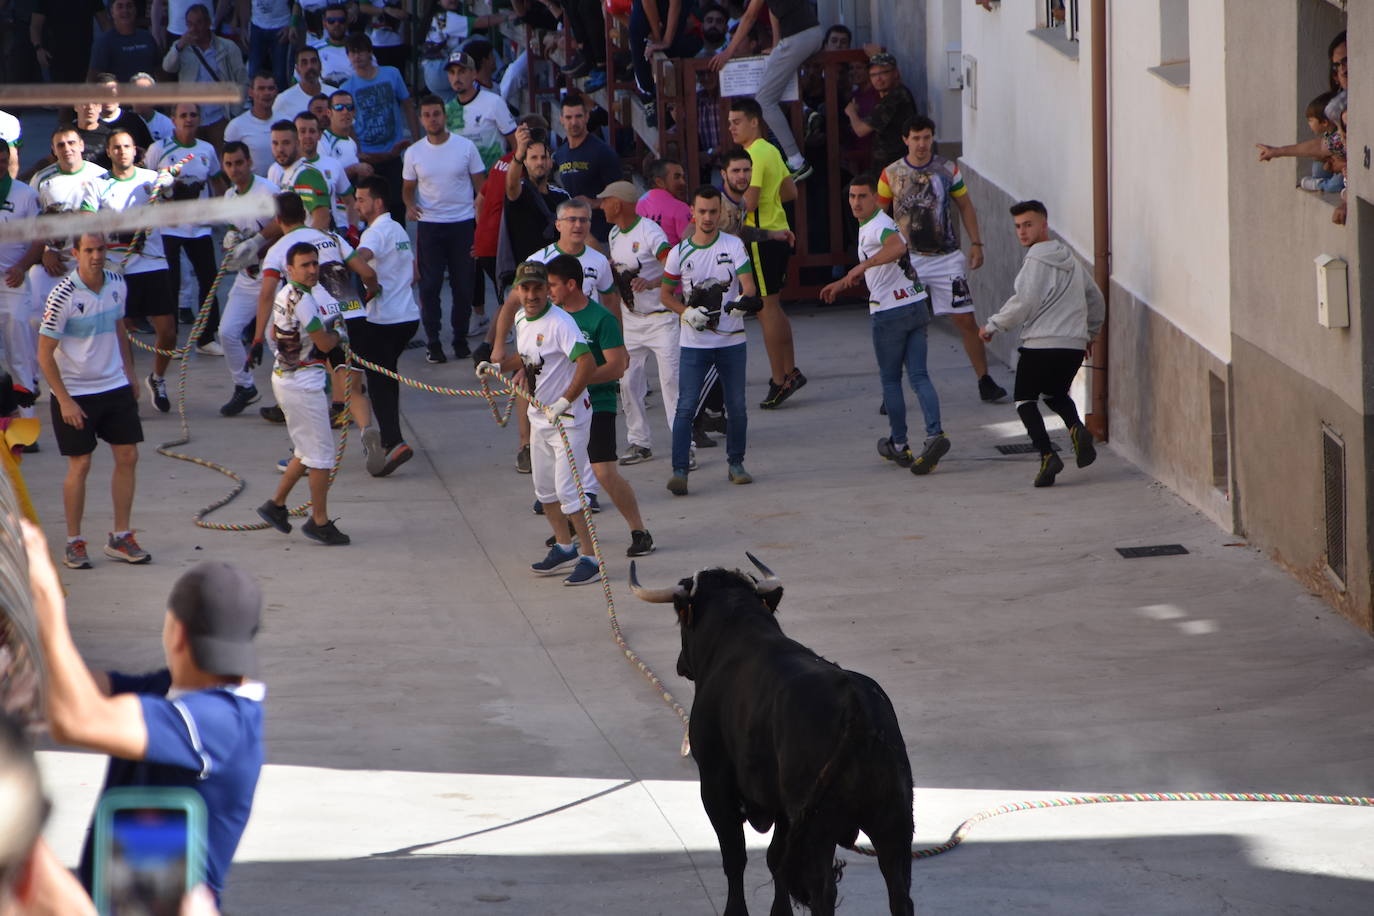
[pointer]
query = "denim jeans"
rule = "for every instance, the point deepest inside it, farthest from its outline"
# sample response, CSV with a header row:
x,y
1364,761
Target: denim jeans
x,y
265,52
899,338
445,247
729,362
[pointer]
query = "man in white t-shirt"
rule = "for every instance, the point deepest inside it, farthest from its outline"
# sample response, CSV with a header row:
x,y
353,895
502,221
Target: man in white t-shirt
x,y
638,249
18,202
553,356
254,126
12,135
244,245
900,308
293,101
194,181
391,321
441,176
84,354
708,280
308,331
477,113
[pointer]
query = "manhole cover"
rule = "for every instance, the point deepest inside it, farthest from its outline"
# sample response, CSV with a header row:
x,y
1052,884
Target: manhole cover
x,y
1154,550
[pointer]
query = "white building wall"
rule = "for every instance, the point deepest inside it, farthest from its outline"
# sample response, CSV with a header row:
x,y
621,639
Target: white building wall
x,y
943,36
1169,200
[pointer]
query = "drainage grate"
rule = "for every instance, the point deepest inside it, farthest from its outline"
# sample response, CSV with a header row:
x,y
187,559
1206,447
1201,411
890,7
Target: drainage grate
x,y
1024,448
1154,550
1333,486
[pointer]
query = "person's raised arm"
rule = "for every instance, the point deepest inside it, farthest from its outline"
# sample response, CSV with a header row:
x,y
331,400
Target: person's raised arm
x,y
78,713
746,22
1307,149
515,175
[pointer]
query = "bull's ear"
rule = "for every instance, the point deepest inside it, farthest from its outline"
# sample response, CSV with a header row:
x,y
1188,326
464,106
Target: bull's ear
x,y
772,598
683,606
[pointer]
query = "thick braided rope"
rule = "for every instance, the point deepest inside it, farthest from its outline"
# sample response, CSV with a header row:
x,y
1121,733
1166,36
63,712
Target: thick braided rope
x,y
963,829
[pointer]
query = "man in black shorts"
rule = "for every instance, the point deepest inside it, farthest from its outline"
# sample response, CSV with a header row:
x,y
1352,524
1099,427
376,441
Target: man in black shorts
x,y
83,351
608,348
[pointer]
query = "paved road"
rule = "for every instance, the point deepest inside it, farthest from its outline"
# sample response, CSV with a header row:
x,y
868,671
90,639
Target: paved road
x,y
448,734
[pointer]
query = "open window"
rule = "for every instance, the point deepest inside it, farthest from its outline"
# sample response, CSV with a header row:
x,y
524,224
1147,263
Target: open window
x,y
1173,43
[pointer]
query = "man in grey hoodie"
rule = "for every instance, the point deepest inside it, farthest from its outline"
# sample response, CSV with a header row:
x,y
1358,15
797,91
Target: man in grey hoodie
x,y
1060,312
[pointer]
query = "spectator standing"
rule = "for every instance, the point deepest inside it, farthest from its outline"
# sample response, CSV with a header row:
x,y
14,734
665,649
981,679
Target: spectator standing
x,y
116,117
1060,311
269,38
448,29
19,202
61,188
160,127
168,19
705,265
84,353
245,243
200,56
139,256
531,201
924,193
124,49
197,723
193,182
799,36
769,186
715,28
62,33
895,110
253,128
607,344
442,175
663,202
307,329
337,139
386,28
93,132
308,85
391,321
638,248
476,112
899,308
384,112
658,25
588,24
334,61
583,163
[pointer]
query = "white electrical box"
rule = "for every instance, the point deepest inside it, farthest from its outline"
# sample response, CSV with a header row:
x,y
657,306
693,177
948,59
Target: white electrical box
x,y
954,67
970,81
1333,292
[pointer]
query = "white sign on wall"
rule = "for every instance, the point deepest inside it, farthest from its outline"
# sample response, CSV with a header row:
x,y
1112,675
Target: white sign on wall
x,y
743,75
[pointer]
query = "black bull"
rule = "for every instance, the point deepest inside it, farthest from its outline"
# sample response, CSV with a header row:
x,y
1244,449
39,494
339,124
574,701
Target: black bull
x,y
785,739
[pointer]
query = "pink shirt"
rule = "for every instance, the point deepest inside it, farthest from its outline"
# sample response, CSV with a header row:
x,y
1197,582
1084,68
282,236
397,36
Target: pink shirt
x,y
671,214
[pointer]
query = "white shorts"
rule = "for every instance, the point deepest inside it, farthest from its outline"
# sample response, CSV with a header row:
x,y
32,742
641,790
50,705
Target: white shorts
x,y
307,423
945,277
549,466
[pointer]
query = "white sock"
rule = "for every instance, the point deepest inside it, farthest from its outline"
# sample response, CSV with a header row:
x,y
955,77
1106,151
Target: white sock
x,y
564,547
74,538
796,162
121,534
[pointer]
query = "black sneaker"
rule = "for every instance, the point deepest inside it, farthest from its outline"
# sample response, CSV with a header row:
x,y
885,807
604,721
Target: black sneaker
x,y
326,534
339,415
898,453
934,450
157,388
186,316
651,114
461,351
141,326
537,508
802,172
436,354
641,544
522,460
770,400
572,535
637,454
699,437
578,69
989,390
593,503
1050,465
241,399
794,382
481,353
713,422
272,414
276,516
1083,447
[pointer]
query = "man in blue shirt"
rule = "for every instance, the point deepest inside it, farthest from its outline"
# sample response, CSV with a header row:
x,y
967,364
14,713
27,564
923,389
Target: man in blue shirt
x,y
584,164
384,111
196,723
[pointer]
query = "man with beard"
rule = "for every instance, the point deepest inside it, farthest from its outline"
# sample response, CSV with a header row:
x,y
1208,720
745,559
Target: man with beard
x,y
308,85
254,126
292,172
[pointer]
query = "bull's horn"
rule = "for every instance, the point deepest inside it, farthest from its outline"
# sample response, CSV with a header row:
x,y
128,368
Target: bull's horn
x,y
653,595
770,581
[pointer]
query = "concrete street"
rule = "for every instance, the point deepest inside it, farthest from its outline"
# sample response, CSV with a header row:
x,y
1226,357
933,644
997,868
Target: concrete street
x,y
449,734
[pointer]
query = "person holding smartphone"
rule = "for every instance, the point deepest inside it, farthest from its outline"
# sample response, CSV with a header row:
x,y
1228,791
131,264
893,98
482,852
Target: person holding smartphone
x,y
196,723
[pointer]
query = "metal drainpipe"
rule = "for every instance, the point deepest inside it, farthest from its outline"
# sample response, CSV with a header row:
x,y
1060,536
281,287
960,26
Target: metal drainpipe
x,y
1102,233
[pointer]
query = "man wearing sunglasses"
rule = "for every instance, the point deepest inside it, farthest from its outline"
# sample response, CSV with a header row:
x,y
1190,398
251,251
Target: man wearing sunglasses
x,y
334,65
338,141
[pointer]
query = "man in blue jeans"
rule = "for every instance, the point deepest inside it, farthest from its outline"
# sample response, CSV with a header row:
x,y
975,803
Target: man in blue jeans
x,y
900,308
269,39
709,281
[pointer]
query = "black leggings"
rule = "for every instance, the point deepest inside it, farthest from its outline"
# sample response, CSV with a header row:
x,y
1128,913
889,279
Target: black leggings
x,y
1047,372
201,251
383,344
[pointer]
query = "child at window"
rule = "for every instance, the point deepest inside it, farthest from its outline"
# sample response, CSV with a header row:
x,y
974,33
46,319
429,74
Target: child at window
x,y
1328,174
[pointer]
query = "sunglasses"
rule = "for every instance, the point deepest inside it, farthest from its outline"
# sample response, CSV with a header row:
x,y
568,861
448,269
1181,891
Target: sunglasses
x,y
340,106
335,19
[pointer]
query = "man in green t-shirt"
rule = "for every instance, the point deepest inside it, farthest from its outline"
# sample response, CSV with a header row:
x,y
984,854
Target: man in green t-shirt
x,y
608,347
770,186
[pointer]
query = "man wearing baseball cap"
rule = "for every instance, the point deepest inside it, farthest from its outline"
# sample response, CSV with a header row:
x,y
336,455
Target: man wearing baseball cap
x,y
896,107
475,112
196,723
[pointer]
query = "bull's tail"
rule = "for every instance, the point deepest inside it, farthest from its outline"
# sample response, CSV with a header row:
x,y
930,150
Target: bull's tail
x,y
803,835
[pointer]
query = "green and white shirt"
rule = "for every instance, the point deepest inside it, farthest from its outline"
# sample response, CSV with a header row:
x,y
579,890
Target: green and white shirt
x,y
890,285
111,193
553,342
635,252
597,279
307,180
198,170
296,313
721,262
485,120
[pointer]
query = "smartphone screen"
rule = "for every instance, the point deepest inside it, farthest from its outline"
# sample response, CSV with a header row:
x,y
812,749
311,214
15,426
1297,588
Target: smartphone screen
x,y
146,868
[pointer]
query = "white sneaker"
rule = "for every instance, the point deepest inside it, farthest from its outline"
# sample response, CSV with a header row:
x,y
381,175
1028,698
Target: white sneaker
x,y
1311,183
478,324
210,349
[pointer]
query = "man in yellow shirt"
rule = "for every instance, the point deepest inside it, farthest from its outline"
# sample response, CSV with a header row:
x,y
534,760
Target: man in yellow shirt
x,y
770,186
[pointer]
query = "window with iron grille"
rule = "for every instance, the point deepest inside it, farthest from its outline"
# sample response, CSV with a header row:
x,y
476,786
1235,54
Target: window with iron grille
x,y
1333,487
1062,14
